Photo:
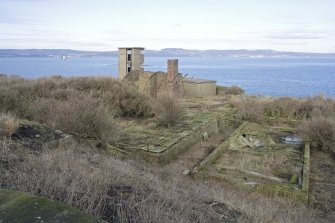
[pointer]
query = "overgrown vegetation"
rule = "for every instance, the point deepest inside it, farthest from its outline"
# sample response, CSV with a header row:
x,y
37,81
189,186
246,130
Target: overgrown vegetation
x,y
84,106
8,124
233,90
132,191
286,107
169,110
249,108
320,132
316,115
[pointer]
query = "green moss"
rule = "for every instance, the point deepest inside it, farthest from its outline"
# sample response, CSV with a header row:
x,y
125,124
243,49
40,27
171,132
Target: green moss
x,y
305,177
273,189
294,179
17,207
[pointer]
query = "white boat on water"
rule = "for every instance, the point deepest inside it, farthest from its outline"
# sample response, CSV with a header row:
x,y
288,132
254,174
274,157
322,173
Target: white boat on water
x,y
64,57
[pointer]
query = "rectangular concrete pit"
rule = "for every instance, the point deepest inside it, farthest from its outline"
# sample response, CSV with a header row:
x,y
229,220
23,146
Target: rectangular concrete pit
x,y
252,158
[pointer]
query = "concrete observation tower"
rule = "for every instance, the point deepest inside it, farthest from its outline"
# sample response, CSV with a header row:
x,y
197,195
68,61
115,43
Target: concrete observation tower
x,y
130,59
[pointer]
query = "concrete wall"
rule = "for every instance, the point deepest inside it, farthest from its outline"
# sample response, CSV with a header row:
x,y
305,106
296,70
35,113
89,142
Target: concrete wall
x,y
143,80
137,59
122,63
193,89
135,63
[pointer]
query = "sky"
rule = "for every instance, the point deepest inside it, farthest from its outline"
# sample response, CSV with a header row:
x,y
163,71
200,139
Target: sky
x,y
104,25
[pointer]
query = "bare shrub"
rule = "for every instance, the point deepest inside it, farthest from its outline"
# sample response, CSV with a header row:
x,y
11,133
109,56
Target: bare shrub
x,y
127,101
169,110
284,107
11,101
127,191
233,90
317,106
65,176
121,99
110,189
320,132
81,115
249,108
8,124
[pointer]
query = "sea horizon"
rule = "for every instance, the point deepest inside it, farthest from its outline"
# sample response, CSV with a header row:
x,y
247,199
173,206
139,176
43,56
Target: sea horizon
x,y
295,77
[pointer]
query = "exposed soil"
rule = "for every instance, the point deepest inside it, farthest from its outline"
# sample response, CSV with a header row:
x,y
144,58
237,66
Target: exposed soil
x,y
33,136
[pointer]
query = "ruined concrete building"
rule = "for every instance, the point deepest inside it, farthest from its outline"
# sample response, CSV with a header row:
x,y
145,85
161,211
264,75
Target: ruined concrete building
x,y
152,83
130,59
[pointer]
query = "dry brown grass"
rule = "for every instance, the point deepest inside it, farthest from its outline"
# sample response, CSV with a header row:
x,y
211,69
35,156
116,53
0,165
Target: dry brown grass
x,y
126,101
4,152
124,191
8,124
81,115
317,106
169,110
284,107
84,106
320,132
108,188
287,107
16,94
233,90
249,108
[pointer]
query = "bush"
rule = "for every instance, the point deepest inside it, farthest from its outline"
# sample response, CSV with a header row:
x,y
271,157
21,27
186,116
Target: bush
x,y
121,99
169,110
127,101
233,90
81,115
66,176
317,106
249,108
11,101
320,132
107,188
8,124
284,107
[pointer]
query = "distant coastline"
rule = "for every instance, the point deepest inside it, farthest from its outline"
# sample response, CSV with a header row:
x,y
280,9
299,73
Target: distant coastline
x,y
169,52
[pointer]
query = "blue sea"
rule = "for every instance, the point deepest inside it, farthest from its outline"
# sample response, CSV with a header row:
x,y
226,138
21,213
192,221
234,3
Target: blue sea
x,y
298,77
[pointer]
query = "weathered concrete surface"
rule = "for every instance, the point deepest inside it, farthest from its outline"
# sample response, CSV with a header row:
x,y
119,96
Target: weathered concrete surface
x,y
199,88
306,169
19,207
254,157
130,62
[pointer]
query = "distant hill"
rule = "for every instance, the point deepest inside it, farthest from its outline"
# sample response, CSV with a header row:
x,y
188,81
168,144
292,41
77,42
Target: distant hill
x,y
169,52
